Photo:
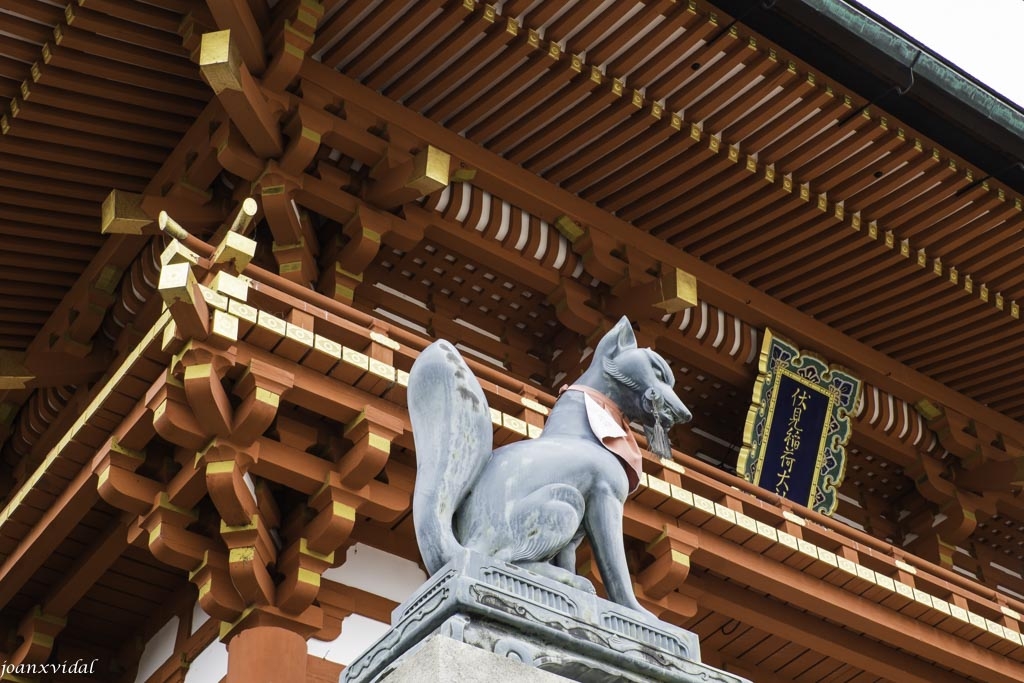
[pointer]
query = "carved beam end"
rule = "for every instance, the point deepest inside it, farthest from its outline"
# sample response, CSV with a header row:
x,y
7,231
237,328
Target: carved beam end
x,y
122,213
220,61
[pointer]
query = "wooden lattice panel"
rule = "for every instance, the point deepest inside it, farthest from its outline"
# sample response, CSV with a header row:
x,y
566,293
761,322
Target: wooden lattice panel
x,y
441,290
875,476
1003,535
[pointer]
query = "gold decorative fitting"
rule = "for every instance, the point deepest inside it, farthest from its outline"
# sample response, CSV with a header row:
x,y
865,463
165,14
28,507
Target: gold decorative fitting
x,y
243,311
1014,310
230,285
382,369
513,423
954,275
794,518
213,298
568,228
171,226
353,357
299,334
176,281
176,252
431,169
384,341
1000,304
678,289
968,284
236,248
108,279
121,213
983,292
247,210
13,374
220,61
225,325
327,347
937,266
922,258
530,404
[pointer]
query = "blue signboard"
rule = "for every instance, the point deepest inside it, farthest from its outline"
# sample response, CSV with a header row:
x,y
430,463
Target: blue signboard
x,y
798,426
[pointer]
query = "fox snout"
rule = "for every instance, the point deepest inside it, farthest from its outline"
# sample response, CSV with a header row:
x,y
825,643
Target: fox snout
x,y
667,408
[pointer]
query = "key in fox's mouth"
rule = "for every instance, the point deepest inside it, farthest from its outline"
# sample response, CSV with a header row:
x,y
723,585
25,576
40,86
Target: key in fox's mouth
x,y
659,418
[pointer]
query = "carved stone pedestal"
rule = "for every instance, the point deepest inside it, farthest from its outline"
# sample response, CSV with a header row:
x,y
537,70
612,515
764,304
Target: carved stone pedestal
x,y
439,659
528,618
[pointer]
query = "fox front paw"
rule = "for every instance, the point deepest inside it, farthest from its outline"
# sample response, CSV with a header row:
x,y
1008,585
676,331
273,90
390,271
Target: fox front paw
x,y
581,583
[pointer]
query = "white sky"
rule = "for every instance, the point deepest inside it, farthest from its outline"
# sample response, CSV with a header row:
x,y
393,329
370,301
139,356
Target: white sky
x,y
982,37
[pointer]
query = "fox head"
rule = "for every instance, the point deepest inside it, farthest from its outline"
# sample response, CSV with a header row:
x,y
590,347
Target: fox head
x,y
640,382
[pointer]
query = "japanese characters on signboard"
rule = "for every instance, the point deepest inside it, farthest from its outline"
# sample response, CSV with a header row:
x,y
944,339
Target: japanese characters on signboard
x,y
794,442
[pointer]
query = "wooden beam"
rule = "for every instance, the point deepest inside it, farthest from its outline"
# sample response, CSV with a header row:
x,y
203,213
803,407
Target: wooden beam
x,y
726,597
222,66
548,201
236,16
53,527
826,600
89,568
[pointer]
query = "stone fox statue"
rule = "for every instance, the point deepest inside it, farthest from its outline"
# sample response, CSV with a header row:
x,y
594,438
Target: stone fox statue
x,y
530,502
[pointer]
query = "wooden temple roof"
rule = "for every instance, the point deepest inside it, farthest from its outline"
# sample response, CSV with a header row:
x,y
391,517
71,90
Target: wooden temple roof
x,y
594,153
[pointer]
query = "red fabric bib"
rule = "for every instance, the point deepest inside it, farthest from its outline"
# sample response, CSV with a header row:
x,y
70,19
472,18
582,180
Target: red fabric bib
x,y
612,430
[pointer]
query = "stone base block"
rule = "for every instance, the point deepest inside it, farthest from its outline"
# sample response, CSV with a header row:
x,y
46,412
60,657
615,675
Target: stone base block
x,y
524,617
440,659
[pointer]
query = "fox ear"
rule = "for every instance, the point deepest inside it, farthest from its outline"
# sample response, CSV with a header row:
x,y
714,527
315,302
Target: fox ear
x,y
618,339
